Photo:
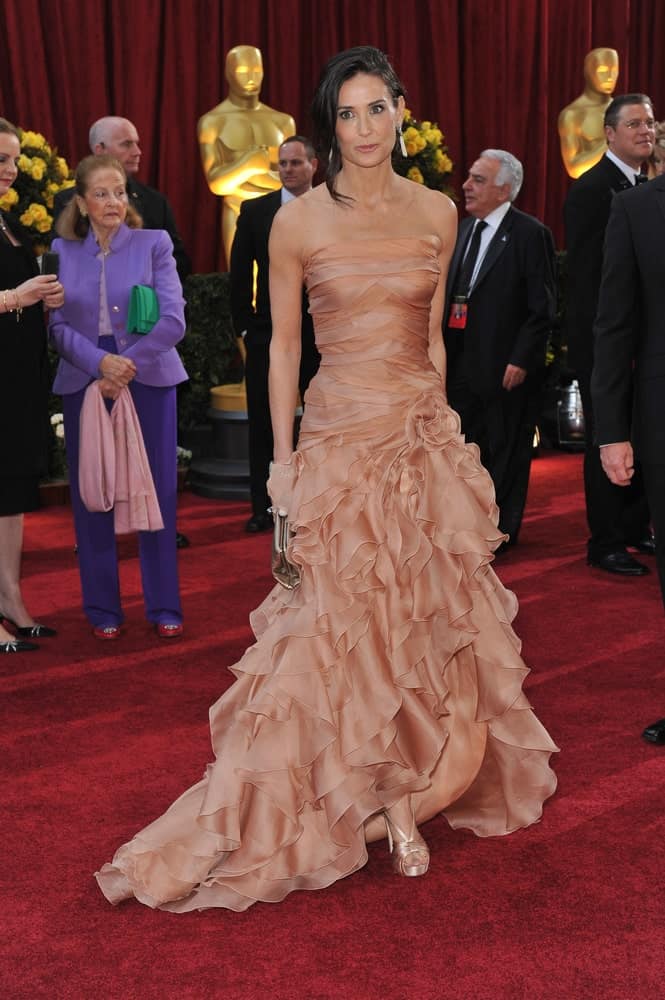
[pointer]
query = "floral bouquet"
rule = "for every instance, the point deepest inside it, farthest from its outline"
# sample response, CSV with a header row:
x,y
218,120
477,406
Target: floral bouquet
x,y
427,161
41,174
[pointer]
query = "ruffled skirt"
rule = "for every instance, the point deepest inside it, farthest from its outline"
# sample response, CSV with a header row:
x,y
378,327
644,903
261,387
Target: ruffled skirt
x,y
392,670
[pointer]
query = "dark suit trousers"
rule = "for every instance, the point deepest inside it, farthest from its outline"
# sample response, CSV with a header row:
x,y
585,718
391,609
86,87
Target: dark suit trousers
x,y
654,483
257,364
503,428
617,515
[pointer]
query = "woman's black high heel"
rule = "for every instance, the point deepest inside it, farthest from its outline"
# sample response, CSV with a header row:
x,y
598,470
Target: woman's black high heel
x,y
17,646
31,631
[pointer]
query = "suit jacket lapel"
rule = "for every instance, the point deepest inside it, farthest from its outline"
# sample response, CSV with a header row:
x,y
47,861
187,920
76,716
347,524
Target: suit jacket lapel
x,y
616,178
497,245
273,203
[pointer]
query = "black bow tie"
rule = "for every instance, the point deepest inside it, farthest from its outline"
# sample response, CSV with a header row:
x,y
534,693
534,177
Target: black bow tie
x,y
641,179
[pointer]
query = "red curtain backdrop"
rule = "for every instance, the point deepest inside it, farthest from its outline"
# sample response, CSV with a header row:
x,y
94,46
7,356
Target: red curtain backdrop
x,y
491,72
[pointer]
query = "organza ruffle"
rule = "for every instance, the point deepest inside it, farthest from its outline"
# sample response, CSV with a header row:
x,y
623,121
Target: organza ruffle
x,y
392,670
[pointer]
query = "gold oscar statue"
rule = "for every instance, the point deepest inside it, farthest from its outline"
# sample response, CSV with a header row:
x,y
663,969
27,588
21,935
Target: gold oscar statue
x,y
581,122
239,139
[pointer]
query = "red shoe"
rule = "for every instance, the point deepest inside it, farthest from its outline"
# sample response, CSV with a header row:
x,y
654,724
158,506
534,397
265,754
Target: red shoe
x,y
168,631
106,632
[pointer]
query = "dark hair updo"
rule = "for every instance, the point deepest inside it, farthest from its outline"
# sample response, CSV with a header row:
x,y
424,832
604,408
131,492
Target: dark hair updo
x,y
342,67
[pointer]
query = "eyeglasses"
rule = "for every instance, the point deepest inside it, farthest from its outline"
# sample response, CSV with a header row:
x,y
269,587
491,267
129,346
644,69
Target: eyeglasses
x,y
639,122
101,195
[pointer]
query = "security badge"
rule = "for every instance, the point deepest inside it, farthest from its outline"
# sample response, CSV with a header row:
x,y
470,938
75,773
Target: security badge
x,y
458,311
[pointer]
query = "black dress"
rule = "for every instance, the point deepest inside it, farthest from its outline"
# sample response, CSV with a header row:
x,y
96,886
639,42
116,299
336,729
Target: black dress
x,y
24,426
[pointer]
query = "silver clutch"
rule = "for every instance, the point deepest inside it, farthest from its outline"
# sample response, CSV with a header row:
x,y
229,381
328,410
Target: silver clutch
x,y
283,571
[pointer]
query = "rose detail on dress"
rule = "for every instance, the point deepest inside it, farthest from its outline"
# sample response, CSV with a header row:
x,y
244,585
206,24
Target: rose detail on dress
x,y
431,422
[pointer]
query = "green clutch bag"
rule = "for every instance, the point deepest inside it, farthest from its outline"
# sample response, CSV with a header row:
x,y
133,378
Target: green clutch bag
x,y
143,309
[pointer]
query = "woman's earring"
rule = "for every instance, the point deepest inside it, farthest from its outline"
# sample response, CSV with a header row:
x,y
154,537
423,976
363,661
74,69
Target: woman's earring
x,y
402,144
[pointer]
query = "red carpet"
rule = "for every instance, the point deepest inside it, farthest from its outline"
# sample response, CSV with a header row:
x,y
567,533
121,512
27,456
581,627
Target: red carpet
x,y
96,740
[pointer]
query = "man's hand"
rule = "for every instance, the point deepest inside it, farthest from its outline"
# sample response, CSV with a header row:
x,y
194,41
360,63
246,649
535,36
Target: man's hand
x,y
617,462
513,376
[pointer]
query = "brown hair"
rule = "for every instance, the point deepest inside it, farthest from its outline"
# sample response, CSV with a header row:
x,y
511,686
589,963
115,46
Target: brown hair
x,y
71,224
342,67
6,126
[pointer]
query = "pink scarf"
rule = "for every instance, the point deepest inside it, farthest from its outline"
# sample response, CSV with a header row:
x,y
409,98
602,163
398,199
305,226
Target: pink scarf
x,y
114,473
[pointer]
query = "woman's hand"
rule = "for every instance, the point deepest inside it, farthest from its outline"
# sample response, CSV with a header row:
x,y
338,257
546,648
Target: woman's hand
x,y
280,485
35,290
109,389
117,369
55,296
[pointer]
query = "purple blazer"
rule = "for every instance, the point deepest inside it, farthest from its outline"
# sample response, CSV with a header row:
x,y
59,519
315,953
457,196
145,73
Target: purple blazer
x,y
138,257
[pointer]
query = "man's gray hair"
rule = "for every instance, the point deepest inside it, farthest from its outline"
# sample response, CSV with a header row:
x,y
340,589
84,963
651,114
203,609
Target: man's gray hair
x,y
100,129
510,170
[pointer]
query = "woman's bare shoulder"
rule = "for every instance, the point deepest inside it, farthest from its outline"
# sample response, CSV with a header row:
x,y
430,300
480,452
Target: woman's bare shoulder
x,y
300,221
434,212
434,202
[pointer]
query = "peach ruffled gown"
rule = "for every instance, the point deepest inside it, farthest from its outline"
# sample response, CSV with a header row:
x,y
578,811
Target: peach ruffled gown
x,y
393,669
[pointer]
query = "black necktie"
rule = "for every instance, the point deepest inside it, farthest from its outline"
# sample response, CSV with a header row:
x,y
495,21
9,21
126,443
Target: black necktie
x,y
641,179
463,284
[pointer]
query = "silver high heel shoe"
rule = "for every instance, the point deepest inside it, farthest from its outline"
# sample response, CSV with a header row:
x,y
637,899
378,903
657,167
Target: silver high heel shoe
x,y
410,853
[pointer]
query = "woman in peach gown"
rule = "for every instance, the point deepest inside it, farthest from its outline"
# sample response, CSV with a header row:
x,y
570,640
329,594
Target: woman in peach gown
x,y
387,687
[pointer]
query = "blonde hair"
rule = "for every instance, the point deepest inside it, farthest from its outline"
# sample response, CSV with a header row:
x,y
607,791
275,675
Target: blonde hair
x,y
72,224
7,127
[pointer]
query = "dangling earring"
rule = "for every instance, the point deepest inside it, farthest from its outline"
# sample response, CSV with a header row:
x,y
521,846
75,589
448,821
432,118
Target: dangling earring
x,y
83,212
402,144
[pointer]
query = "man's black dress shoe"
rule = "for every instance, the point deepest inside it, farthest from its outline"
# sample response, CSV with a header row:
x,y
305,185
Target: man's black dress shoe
x,y
646,545
181,541
618,562
655,733
259,522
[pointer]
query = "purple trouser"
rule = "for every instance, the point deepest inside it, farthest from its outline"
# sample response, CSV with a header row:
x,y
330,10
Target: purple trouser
x,y
95,535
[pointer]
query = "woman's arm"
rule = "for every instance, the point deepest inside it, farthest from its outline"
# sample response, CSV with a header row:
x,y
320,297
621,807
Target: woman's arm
x,y
170,327
286,281
75,347
79,349
444,218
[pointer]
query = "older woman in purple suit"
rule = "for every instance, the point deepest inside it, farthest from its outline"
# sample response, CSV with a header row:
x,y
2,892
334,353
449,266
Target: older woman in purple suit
x,y
103,254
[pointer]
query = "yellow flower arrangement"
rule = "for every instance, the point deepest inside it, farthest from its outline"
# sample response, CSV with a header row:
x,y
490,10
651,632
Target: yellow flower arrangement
x,y
427,161
41,174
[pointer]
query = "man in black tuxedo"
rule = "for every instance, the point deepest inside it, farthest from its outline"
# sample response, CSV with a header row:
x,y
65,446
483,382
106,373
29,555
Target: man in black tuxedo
x,y
500,305
616,517
297,166
118,137
628,380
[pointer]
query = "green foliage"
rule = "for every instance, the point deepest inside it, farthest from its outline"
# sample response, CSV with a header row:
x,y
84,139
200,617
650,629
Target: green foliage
x,y
209,349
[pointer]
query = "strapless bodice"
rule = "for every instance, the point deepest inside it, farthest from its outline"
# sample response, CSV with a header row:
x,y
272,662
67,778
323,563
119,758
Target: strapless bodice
x,y
370,300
